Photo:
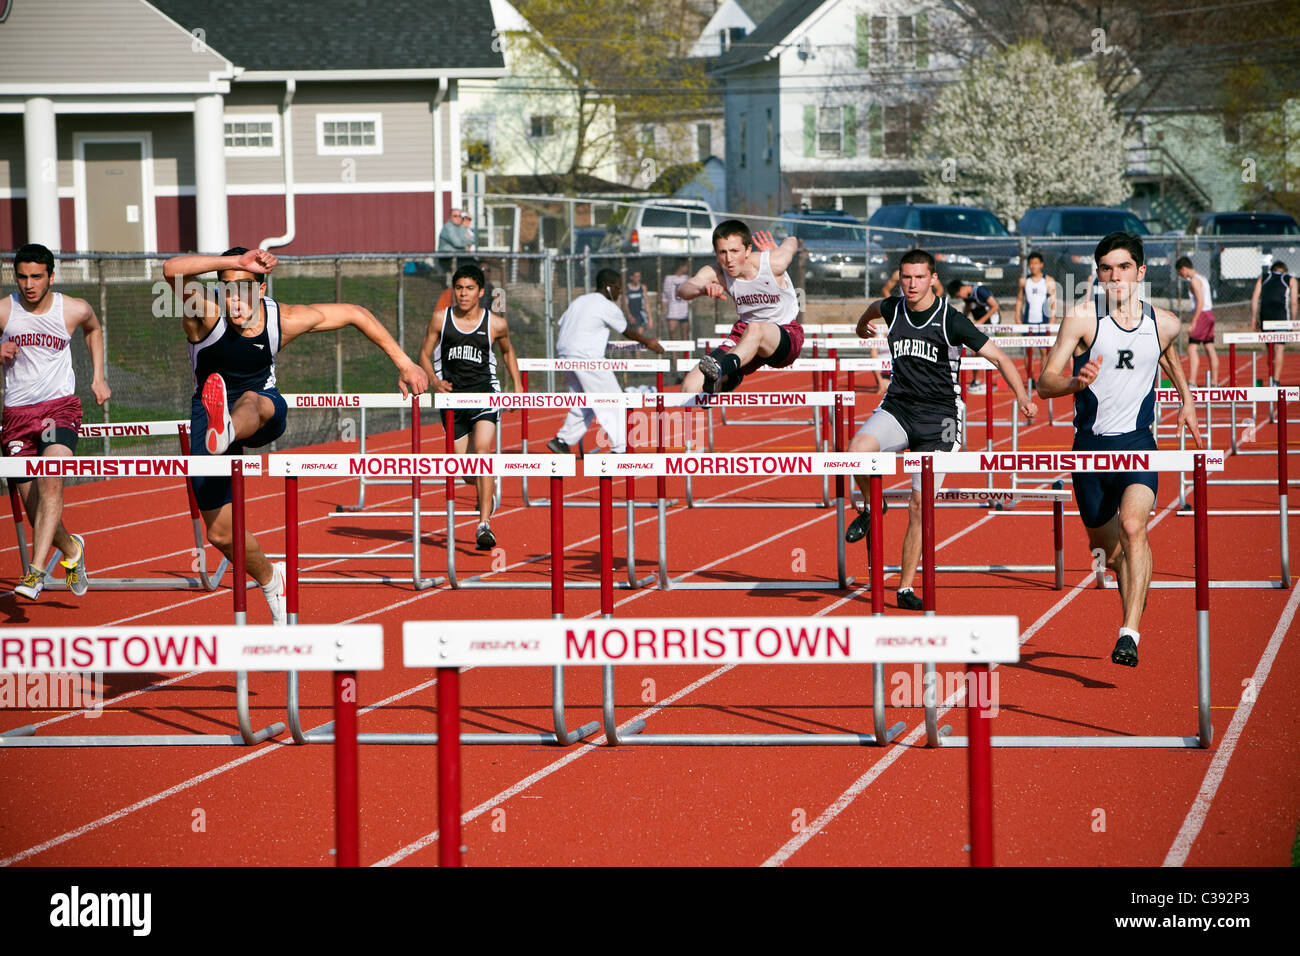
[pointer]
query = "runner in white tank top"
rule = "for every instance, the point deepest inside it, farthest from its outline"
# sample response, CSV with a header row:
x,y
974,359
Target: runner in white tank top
x,y
1036,301
1114,357
767,331
42,413
1201,333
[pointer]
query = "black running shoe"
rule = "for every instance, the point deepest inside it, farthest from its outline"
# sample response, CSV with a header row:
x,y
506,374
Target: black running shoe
x,y
1125,652
485,540
860,526
711,369
908,601
558,447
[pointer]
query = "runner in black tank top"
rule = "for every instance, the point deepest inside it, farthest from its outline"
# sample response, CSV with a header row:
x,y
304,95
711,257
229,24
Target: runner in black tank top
x,y
457,356
1274,300
922,409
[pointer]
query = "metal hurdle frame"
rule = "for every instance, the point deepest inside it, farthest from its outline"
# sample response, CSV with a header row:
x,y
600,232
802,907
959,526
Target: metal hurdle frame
x,y
824,442
341,649
204,465
449,402
205,580
449,646
658,366
605,468
379,400
1282,394
358,401
292,467
1160,461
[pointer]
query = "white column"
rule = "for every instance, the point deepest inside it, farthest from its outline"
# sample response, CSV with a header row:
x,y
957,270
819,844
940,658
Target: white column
x,y
41,149
212,223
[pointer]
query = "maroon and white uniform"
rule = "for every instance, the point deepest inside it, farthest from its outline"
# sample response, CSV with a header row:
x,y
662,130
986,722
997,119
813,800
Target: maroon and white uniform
x,y
40,386
764,299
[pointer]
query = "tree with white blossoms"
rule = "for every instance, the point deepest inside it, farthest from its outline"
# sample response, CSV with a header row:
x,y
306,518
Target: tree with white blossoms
x,y
1018,130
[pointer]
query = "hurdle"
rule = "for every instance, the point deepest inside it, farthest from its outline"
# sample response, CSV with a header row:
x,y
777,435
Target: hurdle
x,y
526,365
873,465
387,465
341,649
1277,336
451,645
293,467
1282,397
1159,461
817,366
360,402
206,580
148,467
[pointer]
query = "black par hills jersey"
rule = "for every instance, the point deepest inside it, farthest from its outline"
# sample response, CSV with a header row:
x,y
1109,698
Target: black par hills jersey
x,y
1275,297
466,359
926,349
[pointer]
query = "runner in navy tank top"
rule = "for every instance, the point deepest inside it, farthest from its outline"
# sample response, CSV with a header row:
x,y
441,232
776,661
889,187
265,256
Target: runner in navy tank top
x,y
234,336
1114,343
457,356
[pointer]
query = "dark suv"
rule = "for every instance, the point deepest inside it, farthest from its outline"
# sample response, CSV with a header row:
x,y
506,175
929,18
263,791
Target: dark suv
x,y
1231,249
972,244
1067,236
832,244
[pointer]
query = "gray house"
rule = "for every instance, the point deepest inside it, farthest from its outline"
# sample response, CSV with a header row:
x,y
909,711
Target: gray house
x,y
310,126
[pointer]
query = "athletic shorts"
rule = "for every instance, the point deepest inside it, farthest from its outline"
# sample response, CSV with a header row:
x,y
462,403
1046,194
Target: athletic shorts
x,y
214,492
899,429
1202,332
27,430
464,419
785,354
1098,494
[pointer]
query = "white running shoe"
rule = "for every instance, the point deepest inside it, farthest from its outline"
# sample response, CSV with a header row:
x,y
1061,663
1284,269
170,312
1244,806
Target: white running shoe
x,y
275,594
214,403
75,576
31,586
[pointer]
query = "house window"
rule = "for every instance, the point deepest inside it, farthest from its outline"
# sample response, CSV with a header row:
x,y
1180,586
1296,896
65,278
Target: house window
x,y
1232,131
898,131
648,139
830,131
893,42
253,135
540,127
703,141
349,134
478,134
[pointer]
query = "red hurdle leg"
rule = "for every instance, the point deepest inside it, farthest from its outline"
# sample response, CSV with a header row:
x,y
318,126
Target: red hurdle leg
x,y
1202,544
979,752
988,407
1282,485
347,784
291,547
1232,366
449,766
238,559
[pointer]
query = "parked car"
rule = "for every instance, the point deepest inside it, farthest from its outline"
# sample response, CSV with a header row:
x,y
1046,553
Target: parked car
x,y
1232,248
1067,236
833,246
589,237
972,244
668,227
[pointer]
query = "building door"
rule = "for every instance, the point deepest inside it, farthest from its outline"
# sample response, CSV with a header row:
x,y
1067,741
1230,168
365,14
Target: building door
x,y
114,197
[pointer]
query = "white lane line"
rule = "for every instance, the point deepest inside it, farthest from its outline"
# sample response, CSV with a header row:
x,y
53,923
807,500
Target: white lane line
x,y
1195,819
907,745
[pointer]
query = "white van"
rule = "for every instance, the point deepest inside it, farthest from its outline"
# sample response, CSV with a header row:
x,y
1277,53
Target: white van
x,y
669,227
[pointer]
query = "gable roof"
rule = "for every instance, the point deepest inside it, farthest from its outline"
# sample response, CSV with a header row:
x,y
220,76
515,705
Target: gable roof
x,y
774,28
455,37
758,10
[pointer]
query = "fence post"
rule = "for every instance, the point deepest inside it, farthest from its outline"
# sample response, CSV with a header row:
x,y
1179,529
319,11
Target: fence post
x,y
401,328
548,311
103,326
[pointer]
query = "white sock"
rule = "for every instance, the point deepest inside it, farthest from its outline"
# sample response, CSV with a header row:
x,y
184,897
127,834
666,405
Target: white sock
x,y
1131,633
905,591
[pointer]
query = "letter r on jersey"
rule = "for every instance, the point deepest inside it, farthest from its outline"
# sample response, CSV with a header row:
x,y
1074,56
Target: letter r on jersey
x,y
1125,359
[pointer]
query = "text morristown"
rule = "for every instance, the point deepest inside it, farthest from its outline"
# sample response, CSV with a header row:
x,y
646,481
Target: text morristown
x,y
687,643
739,465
